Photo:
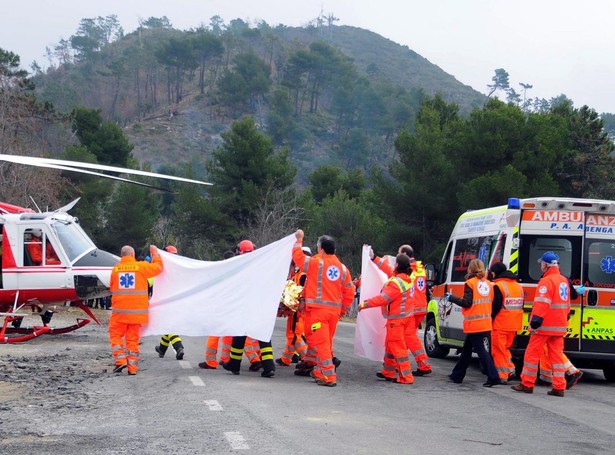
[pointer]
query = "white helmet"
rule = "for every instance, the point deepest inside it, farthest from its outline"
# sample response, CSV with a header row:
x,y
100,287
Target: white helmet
x,y
36,232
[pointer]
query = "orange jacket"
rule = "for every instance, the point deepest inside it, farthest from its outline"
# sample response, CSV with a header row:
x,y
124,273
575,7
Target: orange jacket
x,y
552,303
477,318
396,297
510,317
384,265
328,284
128,284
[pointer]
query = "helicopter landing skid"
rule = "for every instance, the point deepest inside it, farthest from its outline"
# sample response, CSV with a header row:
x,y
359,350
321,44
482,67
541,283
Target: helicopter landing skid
x,y
35,331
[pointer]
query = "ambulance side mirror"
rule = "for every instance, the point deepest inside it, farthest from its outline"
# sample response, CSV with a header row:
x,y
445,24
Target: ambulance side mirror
x,y
430,270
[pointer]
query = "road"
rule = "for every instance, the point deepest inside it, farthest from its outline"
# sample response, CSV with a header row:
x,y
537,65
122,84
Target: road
x,y
59,396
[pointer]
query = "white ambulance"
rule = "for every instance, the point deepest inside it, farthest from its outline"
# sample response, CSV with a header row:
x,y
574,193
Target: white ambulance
x,y
580,231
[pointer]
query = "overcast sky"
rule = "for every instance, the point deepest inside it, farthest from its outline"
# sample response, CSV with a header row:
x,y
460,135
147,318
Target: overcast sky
x,y
558,46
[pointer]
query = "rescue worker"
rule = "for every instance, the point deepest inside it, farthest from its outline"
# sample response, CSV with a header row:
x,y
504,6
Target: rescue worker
x,y
35,249
397,302
572,373
421,297
328,294
240,344
129,305
296,346
170,338
507,318
476,309
548,323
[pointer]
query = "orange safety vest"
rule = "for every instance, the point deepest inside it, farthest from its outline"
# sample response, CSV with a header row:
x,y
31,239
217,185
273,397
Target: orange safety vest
x,y
128,285
328,283
552,303
510,317
419,277
396,297
477,318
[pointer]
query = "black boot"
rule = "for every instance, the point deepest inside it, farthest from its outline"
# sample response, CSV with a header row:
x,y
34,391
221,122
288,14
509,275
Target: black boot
x,y
46,317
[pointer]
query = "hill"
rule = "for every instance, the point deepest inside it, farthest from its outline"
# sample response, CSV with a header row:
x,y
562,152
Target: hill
x,y
334,95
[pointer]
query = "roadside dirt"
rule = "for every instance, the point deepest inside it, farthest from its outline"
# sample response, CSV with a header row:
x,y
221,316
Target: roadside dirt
x,y
49,373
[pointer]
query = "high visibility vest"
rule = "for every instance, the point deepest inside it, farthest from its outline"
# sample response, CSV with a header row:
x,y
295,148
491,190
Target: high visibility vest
x,y
396,297
510,317
552,303
477,318
419,277
128,285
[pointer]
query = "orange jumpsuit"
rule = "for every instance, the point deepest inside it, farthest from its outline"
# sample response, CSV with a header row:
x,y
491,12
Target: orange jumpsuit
x,y
413,342
396,300
129,308
551,308
508,297
328,294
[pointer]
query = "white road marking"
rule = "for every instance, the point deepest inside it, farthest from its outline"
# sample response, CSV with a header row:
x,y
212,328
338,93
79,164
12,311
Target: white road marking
x,y
197,381
185,364
236,440
213,405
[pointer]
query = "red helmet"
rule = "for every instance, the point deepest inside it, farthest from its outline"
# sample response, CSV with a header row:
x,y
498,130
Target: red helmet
x,y
245,246
170,249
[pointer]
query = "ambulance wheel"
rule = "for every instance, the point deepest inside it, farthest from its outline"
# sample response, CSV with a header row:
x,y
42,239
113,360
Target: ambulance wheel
x,y
609,373
430,340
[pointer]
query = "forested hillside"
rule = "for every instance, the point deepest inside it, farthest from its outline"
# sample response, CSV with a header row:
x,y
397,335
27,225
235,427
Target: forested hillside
x,y
334,95
332,129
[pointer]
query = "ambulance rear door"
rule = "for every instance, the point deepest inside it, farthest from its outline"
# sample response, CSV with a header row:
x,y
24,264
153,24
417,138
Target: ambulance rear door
x,y
598,311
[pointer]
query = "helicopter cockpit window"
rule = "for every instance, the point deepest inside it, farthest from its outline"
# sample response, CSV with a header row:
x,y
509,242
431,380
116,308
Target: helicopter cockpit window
x,y
35,243
74,241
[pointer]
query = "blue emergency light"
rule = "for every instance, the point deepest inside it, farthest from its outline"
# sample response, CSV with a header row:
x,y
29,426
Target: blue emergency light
x,y
514,203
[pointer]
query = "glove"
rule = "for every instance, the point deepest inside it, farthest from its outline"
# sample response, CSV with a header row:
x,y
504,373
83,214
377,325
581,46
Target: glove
x,y
362,306
581,289
536,322
447,296
371,253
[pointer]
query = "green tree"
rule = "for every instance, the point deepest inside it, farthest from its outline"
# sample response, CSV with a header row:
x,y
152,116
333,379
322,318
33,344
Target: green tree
x,y
105,140
500,82
326,180
207,46
244,169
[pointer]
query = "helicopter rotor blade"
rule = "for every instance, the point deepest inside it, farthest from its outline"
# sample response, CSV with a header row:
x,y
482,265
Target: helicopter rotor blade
x,y
79,167
83,171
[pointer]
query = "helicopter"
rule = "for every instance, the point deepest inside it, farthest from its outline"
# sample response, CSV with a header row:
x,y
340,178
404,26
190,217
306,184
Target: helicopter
x,y
47,259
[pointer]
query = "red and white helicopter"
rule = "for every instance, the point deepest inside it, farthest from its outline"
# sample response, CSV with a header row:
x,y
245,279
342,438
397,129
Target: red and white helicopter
x,y
48,259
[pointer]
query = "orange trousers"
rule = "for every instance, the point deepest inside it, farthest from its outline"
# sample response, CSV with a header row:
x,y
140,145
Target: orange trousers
x,y
501,341
323,322
414,343
124,340
546,370
295,328
531,359
310,355
212,347
396,359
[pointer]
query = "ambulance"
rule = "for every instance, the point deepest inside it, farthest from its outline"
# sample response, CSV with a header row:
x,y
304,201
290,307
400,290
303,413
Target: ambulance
x,y
580,231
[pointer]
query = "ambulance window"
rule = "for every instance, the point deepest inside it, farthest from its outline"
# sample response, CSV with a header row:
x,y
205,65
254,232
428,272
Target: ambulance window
x,y
473,248
443,269
533,247
601,263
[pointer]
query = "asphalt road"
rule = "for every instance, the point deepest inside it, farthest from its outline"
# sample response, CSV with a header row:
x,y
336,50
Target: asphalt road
x,y
59,396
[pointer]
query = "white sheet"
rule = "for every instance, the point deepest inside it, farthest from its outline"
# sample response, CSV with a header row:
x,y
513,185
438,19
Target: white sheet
x,y
234,297
370,332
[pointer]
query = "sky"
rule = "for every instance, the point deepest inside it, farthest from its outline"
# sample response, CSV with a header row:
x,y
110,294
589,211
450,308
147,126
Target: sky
x,y
557,46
